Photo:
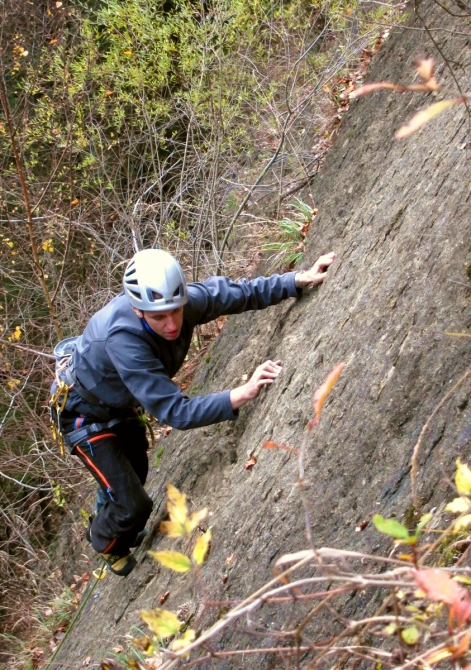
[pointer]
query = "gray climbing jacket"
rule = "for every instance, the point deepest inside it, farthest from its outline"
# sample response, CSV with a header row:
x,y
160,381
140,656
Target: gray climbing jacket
x,y
123,365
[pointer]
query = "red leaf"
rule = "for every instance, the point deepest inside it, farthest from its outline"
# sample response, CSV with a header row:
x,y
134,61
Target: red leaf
x,y
250,463
438,585
461,607
463,646
275,445
163,598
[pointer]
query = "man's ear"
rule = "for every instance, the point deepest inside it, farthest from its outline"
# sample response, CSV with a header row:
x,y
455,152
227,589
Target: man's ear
x,y
138,312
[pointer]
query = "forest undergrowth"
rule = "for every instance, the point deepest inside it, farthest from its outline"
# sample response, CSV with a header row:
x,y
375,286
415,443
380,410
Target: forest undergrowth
x,y
128,124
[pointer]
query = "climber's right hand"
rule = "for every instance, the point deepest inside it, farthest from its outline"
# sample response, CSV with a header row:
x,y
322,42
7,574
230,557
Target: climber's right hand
x,y
264,375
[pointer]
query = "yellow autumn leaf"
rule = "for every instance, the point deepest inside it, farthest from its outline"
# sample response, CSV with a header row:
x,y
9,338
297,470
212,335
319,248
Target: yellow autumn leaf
x,y
458,506
17,333
161,622
462,478
13,382
182,642
201,547
172,559
143,643
464,522
176,505
410,635
172,528
425,116
195,519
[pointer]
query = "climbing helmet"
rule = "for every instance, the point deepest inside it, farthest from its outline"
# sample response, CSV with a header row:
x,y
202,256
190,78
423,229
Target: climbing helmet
x,y
154,281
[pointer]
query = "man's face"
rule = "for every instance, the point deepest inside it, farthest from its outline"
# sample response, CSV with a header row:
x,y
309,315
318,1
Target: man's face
x,y
167,324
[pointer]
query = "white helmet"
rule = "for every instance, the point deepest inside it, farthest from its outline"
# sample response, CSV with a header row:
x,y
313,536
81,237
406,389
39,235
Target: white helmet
x,y
154,281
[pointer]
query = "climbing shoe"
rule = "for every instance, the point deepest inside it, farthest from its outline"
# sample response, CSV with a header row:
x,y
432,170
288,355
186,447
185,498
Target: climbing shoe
x,y
120,565
88,532
137,542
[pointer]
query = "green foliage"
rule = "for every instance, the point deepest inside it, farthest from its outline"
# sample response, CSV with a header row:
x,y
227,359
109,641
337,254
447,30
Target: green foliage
x,y
399,532
451,547
159,456
58,495
391,527
291,234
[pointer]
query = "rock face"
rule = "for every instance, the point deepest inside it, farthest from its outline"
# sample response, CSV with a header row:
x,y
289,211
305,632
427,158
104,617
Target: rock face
x,y
397,214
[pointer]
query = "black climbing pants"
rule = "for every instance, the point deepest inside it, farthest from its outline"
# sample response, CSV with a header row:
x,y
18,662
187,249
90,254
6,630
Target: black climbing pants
x,y
117,459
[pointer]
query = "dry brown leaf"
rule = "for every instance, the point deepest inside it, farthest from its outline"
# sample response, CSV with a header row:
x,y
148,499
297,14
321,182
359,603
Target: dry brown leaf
x,y
153,663
437,656
369,88
321,394
164,597
425,67
425,116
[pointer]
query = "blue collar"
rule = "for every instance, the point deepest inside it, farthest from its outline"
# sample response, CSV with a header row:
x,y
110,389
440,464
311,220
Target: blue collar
x,y
147,327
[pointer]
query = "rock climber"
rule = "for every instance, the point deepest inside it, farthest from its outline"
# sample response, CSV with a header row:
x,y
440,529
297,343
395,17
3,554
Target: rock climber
x,y
122,366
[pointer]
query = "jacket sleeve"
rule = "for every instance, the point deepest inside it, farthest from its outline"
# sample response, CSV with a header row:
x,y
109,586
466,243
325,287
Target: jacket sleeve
x,y
220,295
146,379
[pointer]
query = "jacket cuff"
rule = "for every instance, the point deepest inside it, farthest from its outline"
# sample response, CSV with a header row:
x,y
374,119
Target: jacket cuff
x,y
229,413
294,290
